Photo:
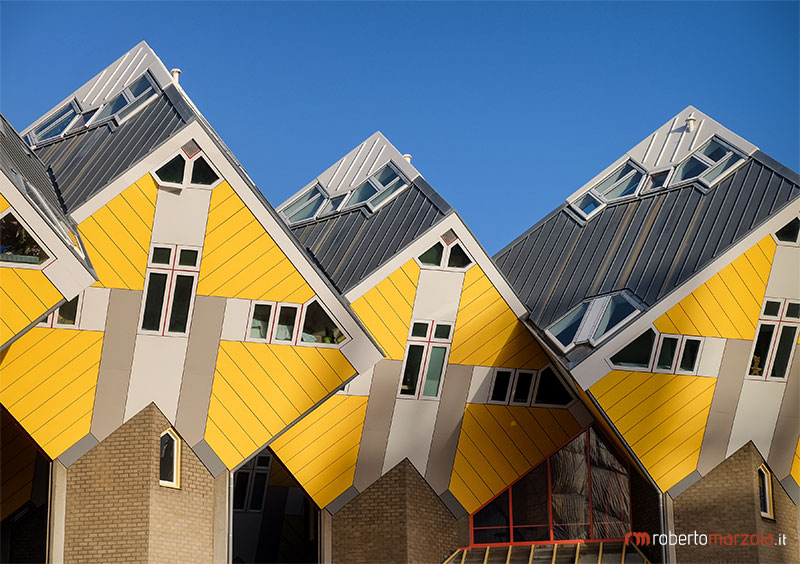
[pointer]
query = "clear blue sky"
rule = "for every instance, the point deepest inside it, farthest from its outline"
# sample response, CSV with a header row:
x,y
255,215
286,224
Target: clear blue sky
x,y
507,108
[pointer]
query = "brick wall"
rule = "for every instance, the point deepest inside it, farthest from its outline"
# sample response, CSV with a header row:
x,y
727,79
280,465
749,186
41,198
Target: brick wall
x,y
397,519
726,501
117,512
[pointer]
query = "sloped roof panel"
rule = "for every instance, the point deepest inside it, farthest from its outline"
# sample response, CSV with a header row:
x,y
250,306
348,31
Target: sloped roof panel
x,y
649,245
85,162
350,245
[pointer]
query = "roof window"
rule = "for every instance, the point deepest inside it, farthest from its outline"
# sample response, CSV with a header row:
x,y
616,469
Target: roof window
x,y
129,100
56,125
378,188
624,181
593,321
709,163
304,207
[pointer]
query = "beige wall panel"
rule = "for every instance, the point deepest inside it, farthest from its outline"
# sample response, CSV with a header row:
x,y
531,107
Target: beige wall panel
x,y
198,371
385,383
756,415
438,294
411,433
221,489
181,216
235,324
711,357
784,278
479,386
57,514
94,309
116,361
156,374
448,427
361,384
787,428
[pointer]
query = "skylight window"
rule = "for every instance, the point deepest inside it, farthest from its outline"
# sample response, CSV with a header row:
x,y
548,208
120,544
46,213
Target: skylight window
x,y
129,100
304,207
709,163
593,321
378,188
56,125
624,181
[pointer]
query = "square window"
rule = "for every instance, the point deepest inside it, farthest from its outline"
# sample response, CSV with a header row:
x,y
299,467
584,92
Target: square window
x,y
501,386
287,318
161,255
188,257
442,331
772,309
420,329
793,310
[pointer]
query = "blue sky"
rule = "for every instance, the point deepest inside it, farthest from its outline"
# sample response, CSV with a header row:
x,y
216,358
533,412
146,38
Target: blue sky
x,y
507,108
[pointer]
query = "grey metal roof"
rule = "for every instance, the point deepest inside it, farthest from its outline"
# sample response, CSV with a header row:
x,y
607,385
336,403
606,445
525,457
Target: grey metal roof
x,y
17,158
352,244
649,245
85,162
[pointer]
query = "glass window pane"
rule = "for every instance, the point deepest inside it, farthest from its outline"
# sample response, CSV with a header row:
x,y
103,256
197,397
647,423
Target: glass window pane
x,y
419,329
139,102
301,203
63,113
689,356
442,331
286,321
57,129
714,150
68,313
588,204
361,194
257,493
241,478
188,257
17,245
785,344
318,327
332,205
493,535
112,107
156,288
173,170
202,173
433,379
793,310
522,389
614,177
433,256
617,310
458,258
789,232
167,458
565,328
411,372
551,390
529,501
259,326
502,380
666,357
386,176
181,300
690,168
626,187
139,86
658,180
762,491
385,194
772,308
763,342
493,514
569,481
637,353
161,255
307,211
717,171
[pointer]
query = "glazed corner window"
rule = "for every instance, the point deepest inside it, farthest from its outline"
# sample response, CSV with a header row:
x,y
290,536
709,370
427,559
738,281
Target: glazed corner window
x,y
17,245
169,459
446,253
189,167
318,327
775,339
790,232
765,492
709,162
170,285
425,359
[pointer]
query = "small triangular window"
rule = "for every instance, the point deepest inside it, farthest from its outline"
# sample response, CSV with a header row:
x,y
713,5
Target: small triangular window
x,y
173,170
318,327
17,245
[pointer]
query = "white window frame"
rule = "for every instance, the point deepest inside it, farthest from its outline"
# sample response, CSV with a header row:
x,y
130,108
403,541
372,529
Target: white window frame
x,y
591,319
679,356
767,483
51,319
657,344
779,322
512,379
276,316
514,383
786,243
271,321
176,460
648,184
252,468
172,271
601,197
539,372
299,336
711,164
34,139
428,342
187,170
446,255
129,99
28,265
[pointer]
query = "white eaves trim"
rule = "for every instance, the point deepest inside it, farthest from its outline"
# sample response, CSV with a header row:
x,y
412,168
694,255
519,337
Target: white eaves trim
x,y
594,367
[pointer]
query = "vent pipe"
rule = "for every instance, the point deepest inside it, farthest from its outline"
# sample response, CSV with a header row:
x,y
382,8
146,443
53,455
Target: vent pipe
x,y
176,74
407,157
691,121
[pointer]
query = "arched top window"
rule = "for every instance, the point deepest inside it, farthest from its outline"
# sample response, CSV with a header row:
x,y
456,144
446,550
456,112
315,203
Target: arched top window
x,y
169,459
580,492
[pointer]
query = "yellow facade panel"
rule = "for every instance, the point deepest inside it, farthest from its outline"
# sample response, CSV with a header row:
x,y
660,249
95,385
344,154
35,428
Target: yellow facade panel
x,y
729,303
261,388
322,454
487,332
795,472
385,309
25,296
496,451
117,236
661,416
241,260
3,203
47,382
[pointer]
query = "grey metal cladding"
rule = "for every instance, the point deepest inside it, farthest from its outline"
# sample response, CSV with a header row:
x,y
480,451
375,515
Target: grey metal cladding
x,y
17,158
86,162
649,245
350,245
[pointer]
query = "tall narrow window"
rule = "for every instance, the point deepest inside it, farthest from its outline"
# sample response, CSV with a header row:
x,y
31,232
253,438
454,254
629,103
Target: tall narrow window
x,y
775,340
169,291
66,316
169,459
426,358
287,321
765,492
